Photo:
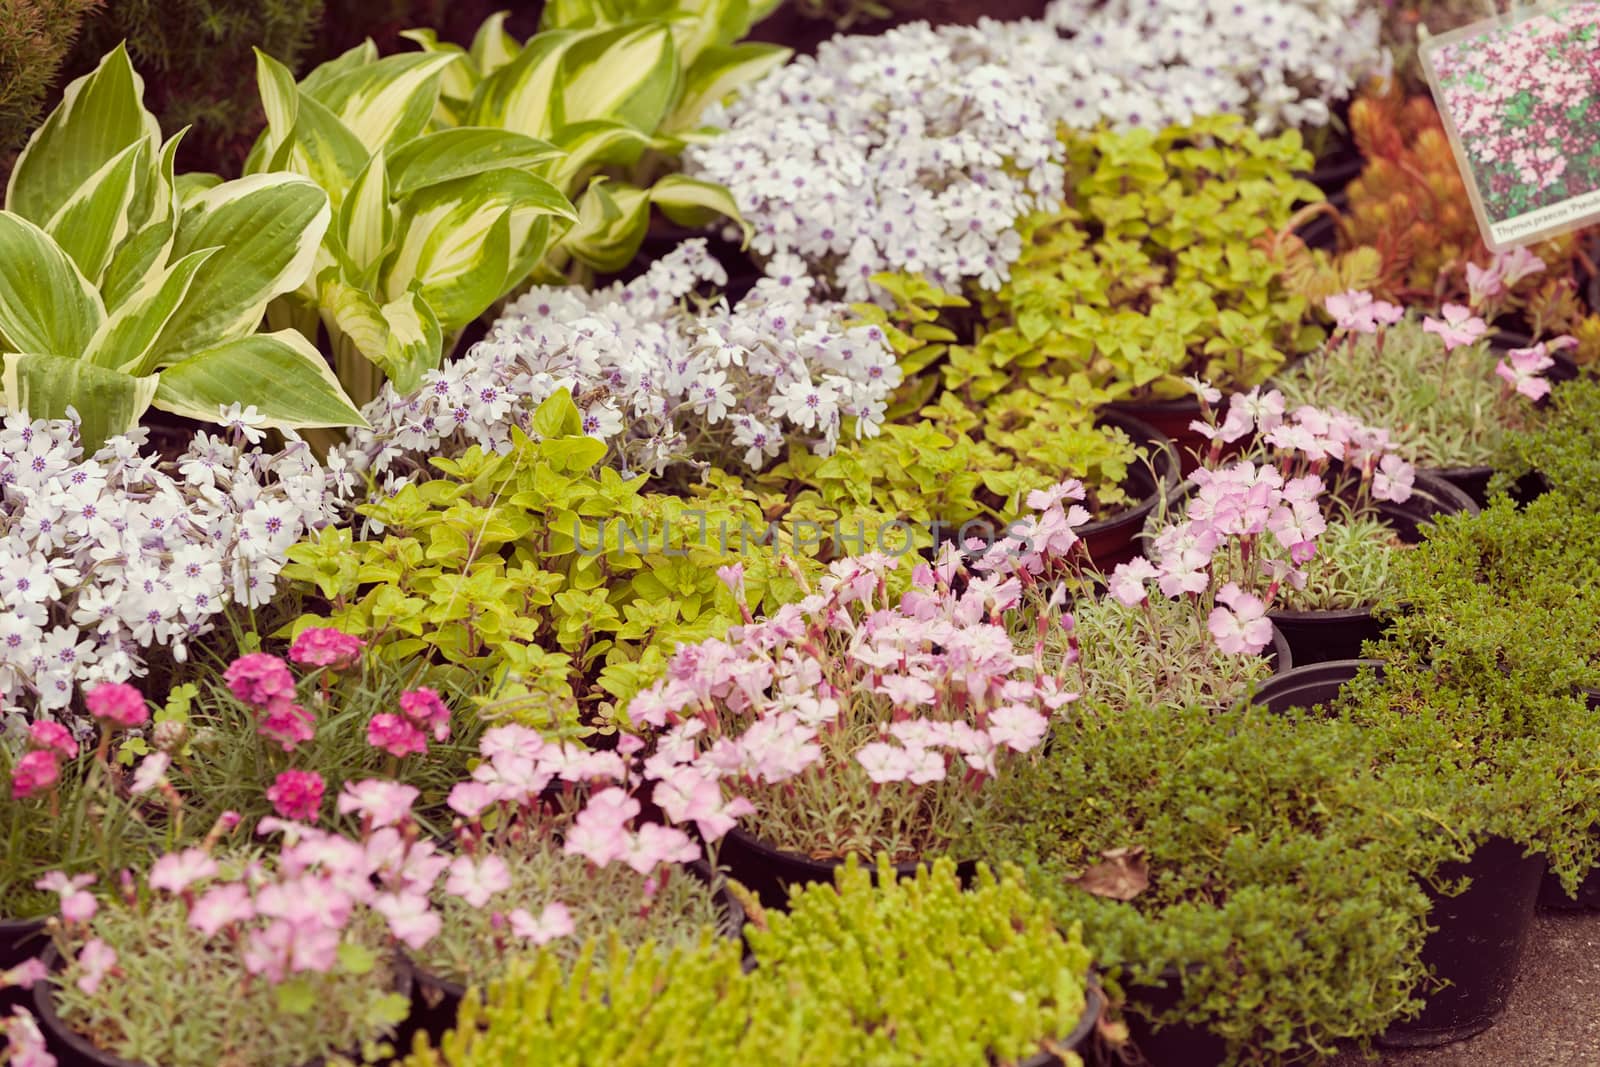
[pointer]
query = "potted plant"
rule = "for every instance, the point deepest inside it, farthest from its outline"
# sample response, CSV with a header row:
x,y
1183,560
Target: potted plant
x,y
240,957
1245,878
553,848
851,722
1557,451
1303,526
1485,722
850,975
1434,383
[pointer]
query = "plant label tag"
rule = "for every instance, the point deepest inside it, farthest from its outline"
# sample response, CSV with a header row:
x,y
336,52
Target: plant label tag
x,y
1520,99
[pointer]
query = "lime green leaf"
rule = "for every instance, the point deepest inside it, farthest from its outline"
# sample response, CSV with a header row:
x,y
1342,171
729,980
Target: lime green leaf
x,y
295,996
356,959
557,417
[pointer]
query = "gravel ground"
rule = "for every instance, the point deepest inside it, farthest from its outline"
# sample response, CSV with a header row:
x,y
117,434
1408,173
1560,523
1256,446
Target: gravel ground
x,y
1554,1018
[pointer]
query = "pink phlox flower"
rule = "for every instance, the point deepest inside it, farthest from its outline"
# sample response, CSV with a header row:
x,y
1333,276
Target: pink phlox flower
x,y
599,832
1242,626
885,763
395,735
1128,581
1351,311
24,975
297,795
1458,327
53,737
177,871
323,646
1393,479
306,900
732,576
476,881
554,922
259,680
96,960
222,906
1523,370
690,794
1484,282
380,802
905,692
151,772
1204,390
117,703
1517,264
423,707
511,740
778,747
469,799
1046,499
25,1041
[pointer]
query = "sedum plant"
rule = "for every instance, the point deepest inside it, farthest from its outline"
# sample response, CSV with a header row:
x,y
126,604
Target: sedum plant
x,y
556,579
901,972
1253,864
122,287
1153,269
618,88
431,226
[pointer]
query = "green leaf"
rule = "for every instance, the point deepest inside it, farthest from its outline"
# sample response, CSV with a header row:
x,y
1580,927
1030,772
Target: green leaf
x,y
46,305
520,96
295,996
100,114
389,102
719,72
595,144
402,337
612,222
267,228
460,153
691,202
96,218
356,959
557,417
492,46
107,401
629,74
286,378
126,340
366,218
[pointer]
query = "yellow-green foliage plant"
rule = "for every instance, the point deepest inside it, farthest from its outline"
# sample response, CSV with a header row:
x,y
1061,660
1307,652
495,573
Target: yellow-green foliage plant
x,y
1157,267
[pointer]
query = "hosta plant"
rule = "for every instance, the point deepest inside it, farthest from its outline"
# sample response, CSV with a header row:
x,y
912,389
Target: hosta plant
x,y
907,972
554,846
620,90
1253,863
1434,383
431,226
122,287
854,722
558,580
1153,269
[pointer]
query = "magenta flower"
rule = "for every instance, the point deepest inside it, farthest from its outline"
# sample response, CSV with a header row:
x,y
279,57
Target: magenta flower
x,y
395,735
117,703
323,646
97,960
423,707
35,772
286,723
53,737
1458,327
260,680
297,795
177,871
554,921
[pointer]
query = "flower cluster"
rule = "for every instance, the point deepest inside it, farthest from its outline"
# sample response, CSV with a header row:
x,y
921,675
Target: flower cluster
x,y
1523,100
1249,527
422,712
659,378
107,556
1279,63
892,712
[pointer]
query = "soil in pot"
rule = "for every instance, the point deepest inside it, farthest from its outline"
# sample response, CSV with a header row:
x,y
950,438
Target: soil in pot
x,y
1480,934
436,1001
1337,634
71,1049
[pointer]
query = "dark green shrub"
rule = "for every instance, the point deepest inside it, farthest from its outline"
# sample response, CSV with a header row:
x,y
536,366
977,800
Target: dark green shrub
x,y
35,36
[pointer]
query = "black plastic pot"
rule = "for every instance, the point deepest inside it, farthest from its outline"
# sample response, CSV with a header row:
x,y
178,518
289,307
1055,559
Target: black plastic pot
x,y
436,1001
1480,934
1171,418
769,872
1114,539
71,1049
1321,636
1078,1040
1176,1045
19,940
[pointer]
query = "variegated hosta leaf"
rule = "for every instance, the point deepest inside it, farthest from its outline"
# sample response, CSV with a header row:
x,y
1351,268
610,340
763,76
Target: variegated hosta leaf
x,y
96,218
362,55
457,84
702,24
126,340
629,74
107,402
388,102
691,202
99,115
454,240
612,221
267,228
521,96
492,46
459,153
286,378
590,145
304,136
366,219
402,337
46,305
718,72
151,243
